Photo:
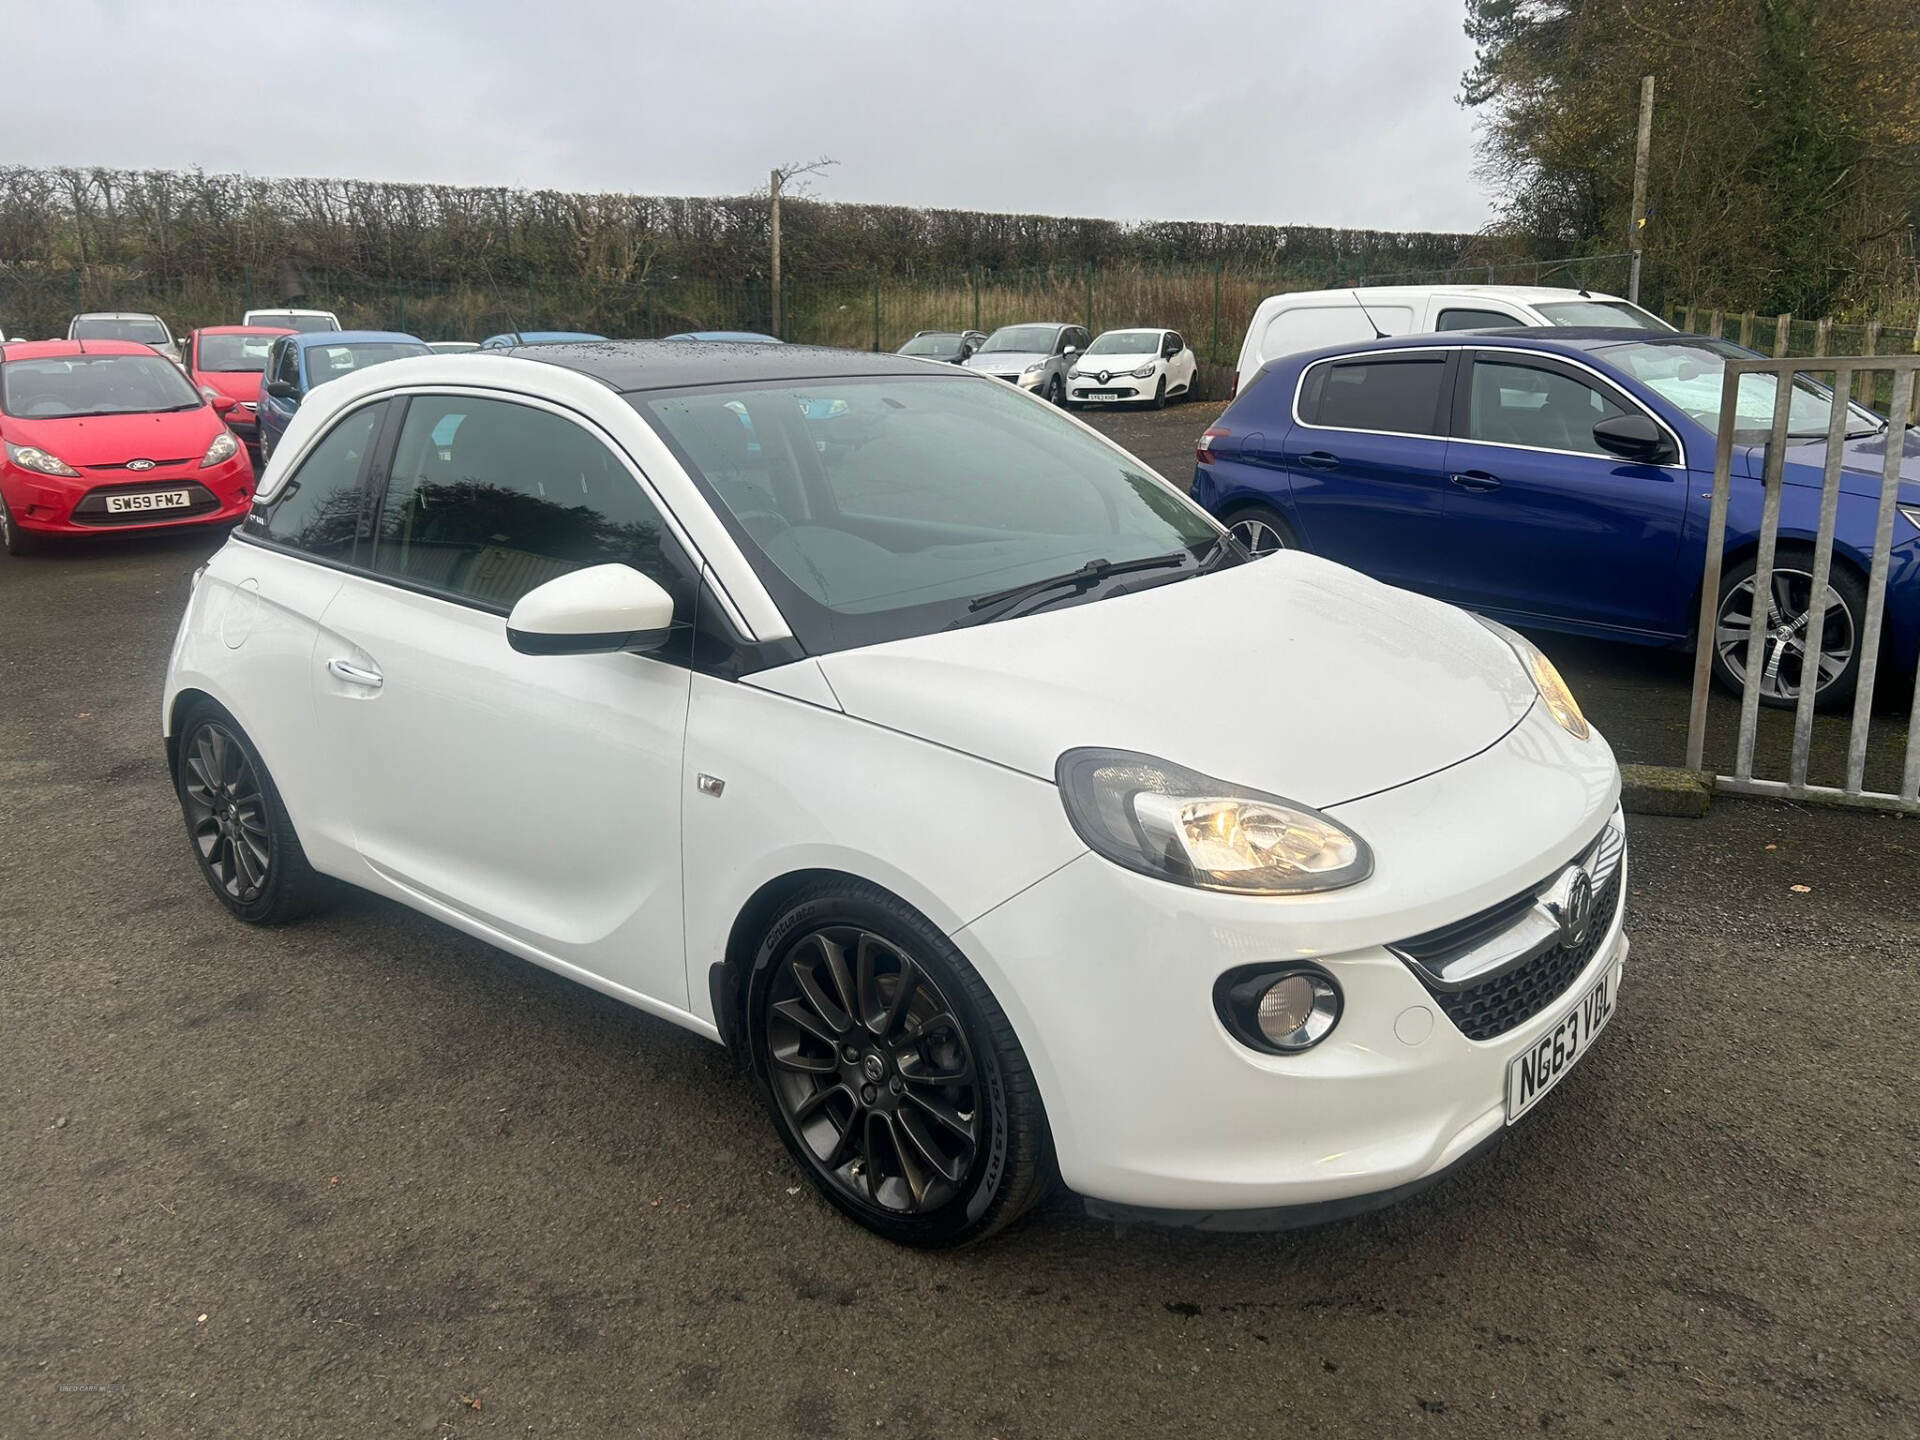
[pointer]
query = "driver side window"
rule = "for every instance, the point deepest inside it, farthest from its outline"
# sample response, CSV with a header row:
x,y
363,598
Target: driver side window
x,y
1540,409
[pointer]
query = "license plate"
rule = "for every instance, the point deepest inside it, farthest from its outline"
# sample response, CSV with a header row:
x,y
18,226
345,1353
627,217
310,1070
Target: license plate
x,y
1531,1074
155,500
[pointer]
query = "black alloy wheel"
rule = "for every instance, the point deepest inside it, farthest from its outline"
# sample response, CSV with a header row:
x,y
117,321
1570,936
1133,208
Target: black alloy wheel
x,y
13,539
242,838
1056,392
893,1076
226,811
1160,394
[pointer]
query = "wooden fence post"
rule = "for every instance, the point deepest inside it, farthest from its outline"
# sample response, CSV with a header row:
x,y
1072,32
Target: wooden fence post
x,y
1717,322
1782,334
1822,331
1686,319
1746,329
1873,338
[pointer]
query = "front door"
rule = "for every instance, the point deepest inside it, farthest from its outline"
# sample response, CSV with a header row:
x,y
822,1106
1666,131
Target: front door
x,y
1541,521
538,795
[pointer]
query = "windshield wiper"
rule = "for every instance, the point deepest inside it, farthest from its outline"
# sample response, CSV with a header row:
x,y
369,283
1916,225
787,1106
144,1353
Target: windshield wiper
x,y
998,602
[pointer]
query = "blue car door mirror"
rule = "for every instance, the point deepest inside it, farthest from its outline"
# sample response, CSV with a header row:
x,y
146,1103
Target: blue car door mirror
x,y
1633,437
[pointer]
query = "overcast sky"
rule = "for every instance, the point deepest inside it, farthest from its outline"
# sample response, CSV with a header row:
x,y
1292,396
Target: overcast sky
x,y
1271,111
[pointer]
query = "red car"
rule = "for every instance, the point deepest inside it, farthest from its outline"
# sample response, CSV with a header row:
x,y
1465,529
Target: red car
x,y
106,435
227,360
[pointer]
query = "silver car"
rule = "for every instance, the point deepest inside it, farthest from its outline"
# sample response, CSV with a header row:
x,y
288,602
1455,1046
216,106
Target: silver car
x,y
138,326
1034,357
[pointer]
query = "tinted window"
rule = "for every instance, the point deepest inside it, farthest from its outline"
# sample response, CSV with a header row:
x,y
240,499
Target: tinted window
x,y
1021,340
1520,405
1475,320
1402,396
487,499
318,509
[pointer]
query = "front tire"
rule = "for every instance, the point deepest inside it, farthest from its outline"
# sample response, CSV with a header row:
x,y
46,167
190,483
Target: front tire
x,y
891,1073
242,839
1160,394
1784,649
1056,392
12,538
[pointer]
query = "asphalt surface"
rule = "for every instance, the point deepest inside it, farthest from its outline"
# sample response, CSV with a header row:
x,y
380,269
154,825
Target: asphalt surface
x,y
365,1176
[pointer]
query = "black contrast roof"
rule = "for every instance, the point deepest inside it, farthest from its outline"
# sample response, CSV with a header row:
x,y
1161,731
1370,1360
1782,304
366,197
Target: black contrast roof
x,y
628,365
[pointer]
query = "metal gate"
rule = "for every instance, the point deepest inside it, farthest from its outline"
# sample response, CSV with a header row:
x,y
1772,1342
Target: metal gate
x,y
1795,785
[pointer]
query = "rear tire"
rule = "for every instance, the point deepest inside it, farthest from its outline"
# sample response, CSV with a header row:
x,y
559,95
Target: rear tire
x,y
242,838
1783,647
1261,530
890,1071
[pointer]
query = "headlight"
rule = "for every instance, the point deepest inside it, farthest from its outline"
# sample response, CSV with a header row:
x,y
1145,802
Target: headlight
x,y
222,448
1031,372
32,457
1176,824
1145,372
1553,690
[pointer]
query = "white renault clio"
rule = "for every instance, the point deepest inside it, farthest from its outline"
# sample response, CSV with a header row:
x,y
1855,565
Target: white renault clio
x,y
927,750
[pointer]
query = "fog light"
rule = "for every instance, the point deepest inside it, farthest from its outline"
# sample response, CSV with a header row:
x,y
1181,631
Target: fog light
x,y
1282,1009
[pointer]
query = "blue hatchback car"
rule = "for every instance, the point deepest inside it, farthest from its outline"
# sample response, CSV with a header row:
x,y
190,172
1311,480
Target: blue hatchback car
x,y
1563,481
297,363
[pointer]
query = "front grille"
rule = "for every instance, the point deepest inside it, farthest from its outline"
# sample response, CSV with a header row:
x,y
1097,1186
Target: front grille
x,y
1493,1007
92,509
154,465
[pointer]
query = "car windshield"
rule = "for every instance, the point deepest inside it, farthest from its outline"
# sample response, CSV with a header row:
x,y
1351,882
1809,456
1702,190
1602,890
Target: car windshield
x,y
330,362
1617,313
288,320
141,330
1126,342
77,385
1021,340
875,509
936,345
1691,374
233,354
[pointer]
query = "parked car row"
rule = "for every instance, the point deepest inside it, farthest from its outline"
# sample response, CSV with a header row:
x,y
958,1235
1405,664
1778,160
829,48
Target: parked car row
x,y
1061,365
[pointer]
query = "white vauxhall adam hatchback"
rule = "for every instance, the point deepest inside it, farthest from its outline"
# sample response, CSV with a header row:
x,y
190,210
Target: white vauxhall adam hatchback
x,y
902,734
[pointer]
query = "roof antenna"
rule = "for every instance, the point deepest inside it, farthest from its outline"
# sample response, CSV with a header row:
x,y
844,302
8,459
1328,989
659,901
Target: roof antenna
x,y
1378,333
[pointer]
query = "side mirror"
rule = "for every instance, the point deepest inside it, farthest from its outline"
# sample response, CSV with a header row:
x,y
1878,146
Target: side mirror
x,y
222,404
597,610
1633,437
1071,350
281,390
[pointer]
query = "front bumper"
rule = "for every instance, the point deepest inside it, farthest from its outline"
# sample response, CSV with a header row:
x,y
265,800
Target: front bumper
x,y
1107,978
70,505
1115,390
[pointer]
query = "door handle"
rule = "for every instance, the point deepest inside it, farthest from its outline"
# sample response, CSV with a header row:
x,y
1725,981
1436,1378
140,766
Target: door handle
x,y
1320,460
355,674
1478,481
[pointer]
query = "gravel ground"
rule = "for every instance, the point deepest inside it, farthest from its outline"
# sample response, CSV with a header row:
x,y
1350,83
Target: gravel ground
x,y
365,1176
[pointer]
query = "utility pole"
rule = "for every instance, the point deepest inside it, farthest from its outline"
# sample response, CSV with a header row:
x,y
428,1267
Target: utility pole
x,y
1638,223
777,181
773,189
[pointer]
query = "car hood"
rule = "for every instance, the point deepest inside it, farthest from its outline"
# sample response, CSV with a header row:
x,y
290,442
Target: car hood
x,y
1118,364
116,439
1291,675
1007,361
240,384
1862,463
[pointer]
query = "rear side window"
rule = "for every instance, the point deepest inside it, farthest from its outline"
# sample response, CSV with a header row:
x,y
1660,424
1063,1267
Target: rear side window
x,y
1475,320
317,511
1398,396
487,499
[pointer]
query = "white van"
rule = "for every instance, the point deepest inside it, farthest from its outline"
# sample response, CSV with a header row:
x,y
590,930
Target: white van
x,y
1309,319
